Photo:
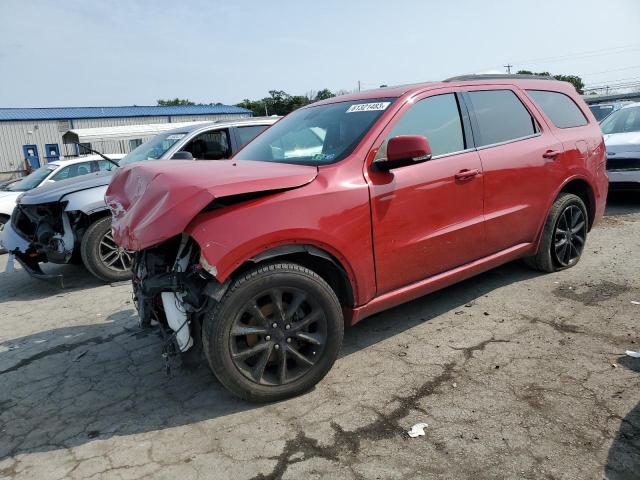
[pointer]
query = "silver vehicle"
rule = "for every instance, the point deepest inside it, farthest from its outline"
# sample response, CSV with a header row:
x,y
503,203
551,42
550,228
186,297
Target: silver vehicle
x,y
621,132
69,220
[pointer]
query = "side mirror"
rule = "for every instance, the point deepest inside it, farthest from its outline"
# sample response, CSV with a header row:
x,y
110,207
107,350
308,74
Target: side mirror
x,y
182,155
405,150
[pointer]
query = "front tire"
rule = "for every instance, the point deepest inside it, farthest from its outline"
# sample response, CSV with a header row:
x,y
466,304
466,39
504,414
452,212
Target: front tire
x,y
564,235
275,333
101,256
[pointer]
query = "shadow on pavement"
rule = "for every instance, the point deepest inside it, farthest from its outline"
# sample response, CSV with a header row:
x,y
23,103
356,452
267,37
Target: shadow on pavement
x,y
623,461
622,203
19,286
64,387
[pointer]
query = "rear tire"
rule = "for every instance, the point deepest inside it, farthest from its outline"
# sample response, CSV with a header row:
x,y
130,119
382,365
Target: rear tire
x,y
563,237
275,333
101,256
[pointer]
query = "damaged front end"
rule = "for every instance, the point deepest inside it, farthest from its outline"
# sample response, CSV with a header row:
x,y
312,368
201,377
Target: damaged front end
x,y
40,233
171,287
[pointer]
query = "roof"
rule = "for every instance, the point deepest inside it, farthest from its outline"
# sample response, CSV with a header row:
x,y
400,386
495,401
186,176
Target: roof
x,y
125,132
69,113
85,158
525,81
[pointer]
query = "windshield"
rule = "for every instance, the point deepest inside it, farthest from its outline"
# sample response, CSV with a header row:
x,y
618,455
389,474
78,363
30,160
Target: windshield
x,y
32,180
622,121
601,111
316,135
153,149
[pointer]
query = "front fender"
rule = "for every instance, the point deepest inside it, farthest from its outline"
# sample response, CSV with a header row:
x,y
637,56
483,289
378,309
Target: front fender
x,y
338,223
86,201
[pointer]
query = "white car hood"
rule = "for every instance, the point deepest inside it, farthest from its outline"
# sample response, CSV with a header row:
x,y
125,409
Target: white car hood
x,y
623,139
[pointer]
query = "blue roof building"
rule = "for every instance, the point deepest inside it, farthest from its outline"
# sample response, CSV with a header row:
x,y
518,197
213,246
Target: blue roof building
x,y
35,134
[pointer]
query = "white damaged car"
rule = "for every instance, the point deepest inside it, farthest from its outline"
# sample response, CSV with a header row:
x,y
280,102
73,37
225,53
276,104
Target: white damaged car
x,y
50,173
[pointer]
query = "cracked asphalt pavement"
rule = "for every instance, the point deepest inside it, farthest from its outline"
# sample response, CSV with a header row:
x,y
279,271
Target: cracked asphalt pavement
x,y
518,375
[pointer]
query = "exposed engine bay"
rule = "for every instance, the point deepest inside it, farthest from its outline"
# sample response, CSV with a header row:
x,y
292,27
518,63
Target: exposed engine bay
x,y
171,287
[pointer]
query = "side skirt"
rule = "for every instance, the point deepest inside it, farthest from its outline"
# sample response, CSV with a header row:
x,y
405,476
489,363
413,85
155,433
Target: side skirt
x,y
436,282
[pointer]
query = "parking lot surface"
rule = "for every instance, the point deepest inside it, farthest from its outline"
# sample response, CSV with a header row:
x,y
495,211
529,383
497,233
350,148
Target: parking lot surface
x,y
517,374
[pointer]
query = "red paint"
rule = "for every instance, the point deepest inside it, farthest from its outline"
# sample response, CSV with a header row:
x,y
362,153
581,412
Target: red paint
x,y
398,234
156,200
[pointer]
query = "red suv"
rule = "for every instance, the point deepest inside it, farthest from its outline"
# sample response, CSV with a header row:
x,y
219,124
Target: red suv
x,y
350,206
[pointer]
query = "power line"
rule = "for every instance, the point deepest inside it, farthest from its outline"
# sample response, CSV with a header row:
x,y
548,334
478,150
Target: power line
x,y
603,51
609,71
577,55
611,82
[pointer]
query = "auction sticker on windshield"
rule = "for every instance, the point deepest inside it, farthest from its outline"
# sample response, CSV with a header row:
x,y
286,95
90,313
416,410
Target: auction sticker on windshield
x,y
176,136
368,107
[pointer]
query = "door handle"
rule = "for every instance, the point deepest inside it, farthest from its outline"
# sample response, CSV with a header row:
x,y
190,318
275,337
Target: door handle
x,y
552,154
466,174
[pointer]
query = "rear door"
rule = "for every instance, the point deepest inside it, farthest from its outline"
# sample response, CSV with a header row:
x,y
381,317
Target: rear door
x,y
519,177
426,219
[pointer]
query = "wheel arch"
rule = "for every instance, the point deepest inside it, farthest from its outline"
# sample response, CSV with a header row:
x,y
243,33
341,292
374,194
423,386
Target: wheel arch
x,y
581,188
317,259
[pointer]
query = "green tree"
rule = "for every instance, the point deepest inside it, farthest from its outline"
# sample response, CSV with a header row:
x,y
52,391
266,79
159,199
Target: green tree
x,y
324,94
575,80
175,102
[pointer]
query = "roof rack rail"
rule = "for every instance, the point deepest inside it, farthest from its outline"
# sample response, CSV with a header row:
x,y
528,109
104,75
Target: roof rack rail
x,y
497,76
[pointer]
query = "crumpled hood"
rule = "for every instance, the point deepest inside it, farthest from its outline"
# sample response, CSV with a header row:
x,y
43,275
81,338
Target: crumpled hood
x,y
54,192
154,201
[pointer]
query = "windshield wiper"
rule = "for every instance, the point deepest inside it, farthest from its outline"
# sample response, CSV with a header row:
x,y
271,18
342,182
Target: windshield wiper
x,y
91,150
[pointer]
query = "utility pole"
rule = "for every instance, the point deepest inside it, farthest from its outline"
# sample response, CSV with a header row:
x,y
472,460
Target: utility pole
x,y
508,67
358,85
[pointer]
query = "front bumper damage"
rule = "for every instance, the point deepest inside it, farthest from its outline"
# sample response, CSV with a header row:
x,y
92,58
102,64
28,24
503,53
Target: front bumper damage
x,y
171,287
38,233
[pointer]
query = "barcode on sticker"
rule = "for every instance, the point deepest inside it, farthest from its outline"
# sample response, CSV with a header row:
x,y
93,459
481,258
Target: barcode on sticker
x,y
368,107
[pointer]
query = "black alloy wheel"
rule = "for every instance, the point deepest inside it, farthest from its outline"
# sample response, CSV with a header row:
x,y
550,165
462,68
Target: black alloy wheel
x,y
275,333
569,236
278,336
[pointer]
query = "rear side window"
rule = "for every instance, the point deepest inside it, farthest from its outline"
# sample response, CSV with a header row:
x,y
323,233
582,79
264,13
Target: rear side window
x,y
501,117
562,111
438,119
246,134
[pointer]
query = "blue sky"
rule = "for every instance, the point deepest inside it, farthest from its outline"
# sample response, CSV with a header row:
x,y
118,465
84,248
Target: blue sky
x,y
81,52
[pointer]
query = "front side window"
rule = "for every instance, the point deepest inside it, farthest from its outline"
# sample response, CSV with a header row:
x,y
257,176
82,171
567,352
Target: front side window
x,y
501,117
316,135
246,134
622,121
436,118
209,146
562,111
73,171
106,166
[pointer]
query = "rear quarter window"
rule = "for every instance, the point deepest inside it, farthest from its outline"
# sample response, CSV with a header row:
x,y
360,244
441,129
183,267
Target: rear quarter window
x,y
560,109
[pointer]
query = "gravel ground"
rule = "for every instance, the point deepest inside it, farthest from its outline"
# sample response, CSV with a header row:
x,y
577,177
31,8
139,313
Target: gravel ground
x,y
517,374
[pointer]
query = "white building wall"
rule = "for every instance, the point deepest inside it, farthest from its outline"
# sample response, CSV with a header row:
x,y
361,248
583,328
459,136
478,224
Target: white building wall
x,y
15,134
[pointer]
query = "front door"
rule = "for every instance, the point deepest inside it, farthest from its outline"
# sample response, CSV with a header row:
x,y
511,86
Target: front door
x,y
426,218
31,155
